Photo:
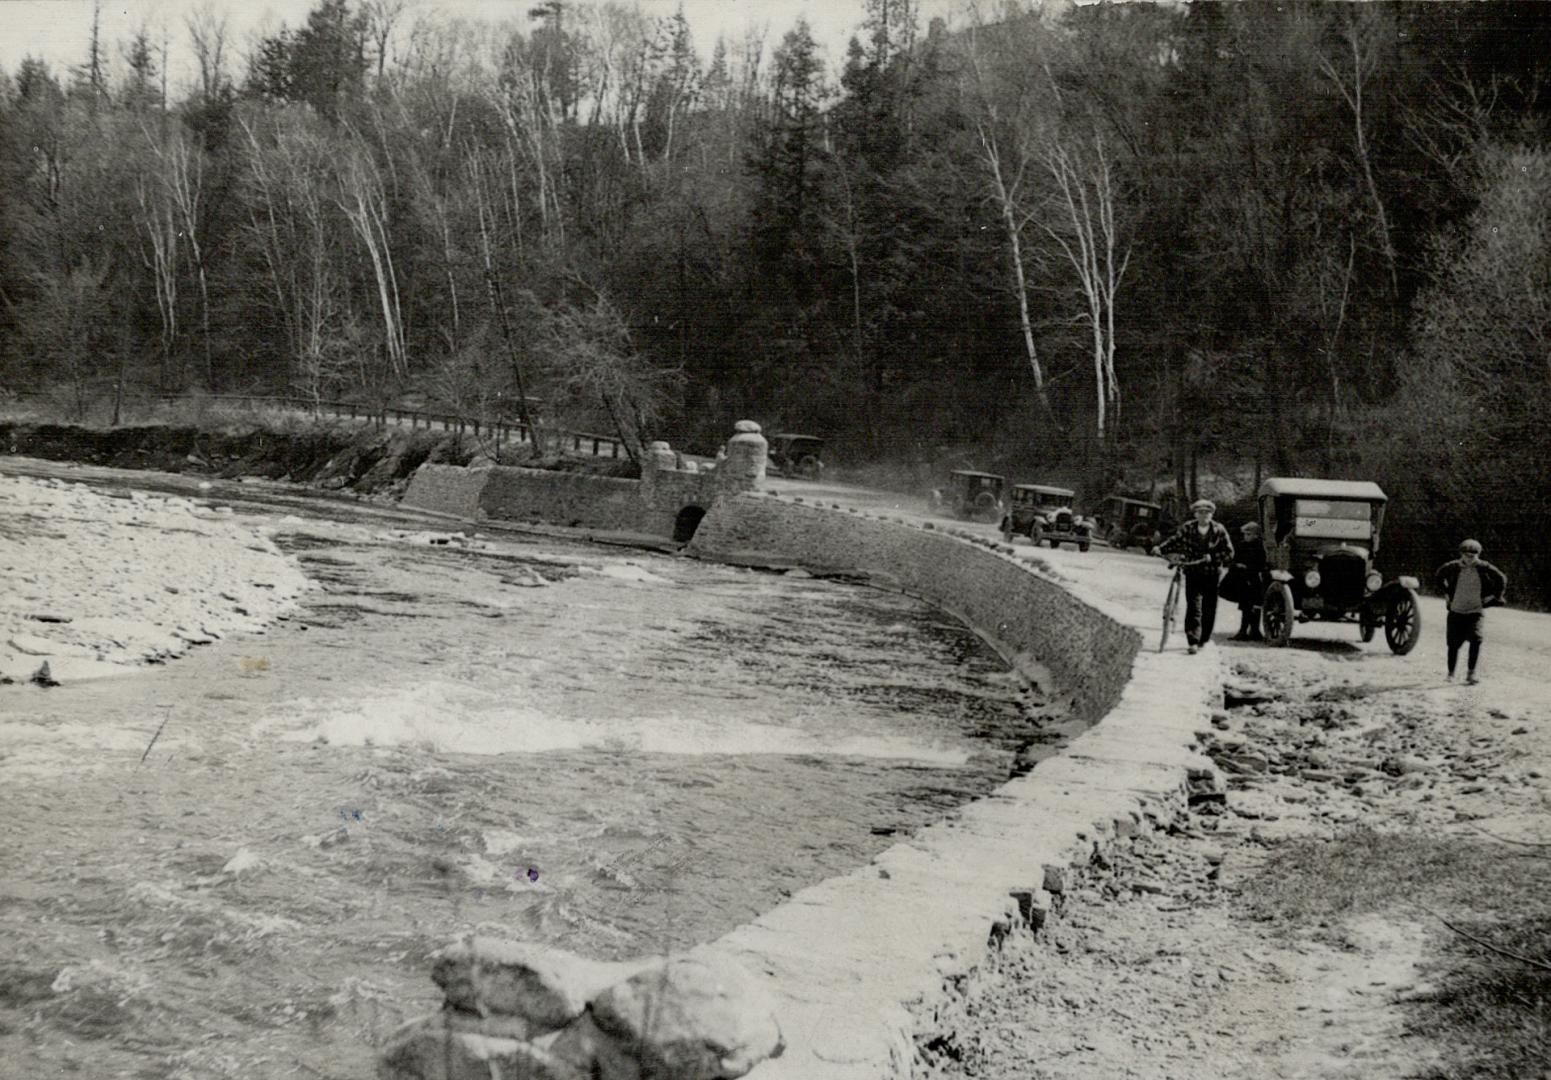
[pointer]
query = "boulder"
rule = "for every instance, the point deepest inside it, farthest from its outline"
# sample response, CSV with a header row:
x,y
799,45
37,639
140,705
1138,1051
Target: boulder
x,y
698,1016
584,1046
546,987
443,1047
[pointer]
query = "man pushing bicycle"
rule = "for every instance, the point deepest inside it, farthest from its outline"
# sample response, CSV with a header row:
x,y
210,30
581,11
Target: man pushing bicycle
x,y
1202,547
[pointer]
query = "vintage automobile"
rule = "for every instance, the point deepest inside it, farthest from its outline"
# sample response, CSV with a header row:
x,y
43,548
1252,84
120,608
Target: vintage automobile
x,y
796,455
1321,537
974,496
1041,513
1125,522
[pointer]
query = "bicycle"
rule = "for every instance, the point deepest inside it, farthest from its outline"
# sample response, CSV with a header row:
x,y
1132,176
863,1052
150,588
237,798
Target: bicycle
x,y
1176,588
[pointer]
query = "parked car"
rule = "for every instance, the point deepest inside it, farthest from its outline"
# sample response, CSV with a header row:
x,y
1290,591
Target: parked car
x,y
1044,513
796,455
1321,538
1126,522
974,496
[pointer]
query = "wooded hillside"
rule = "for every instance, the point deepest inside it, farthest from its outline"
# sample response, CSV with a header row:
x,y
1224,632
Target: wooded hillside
x,y
1308,238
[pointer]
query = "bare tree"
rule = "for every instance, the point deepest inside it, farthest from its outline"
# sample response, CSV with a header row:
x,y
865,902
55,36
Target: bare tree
x,y
381,18
1351,79
158,222
207,34
1084,229
486,208
364,201
288,223
1006,130
180,184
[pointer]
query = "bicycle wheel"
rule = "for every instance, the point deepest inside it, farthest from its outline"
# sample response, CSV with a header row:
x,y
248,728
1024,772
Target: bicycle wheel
x,y
1170,606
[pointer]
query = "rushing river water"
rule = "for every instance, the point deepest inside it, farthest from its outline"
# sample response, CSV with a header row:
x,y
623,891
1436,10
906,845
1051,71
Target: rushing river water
x,y
614,751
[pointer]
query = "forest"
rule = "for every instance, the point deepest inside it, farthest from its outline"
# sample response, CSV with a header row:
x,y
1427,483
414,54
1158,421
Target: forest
x,y
1129,244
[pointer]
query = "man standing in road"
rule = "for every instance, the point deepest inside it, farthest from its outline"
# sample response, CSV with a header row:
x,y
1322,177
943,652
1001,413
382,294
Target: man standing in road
x,y
1470,585
1204,547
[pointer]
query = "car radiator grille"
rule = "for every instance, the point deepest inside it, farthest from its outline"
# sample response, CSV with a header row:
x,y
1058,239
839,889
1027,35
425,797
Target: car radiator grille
x,y
1342,578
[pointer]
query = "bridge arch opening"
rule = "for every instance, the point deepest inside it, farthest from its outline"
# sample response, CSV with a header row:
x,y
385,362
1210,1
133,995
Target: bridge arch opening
x,y
686,523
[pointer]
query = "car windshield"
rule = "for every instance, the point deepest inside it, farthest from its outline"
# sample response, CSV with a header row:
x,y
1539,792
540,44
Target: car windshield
x,y
1331,519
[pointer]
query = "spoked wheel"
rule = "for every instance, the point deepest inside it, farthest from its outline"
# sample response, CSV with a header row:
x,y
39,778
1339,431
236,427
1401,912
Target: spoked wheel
x,y
1170,606
1403,623
1036,533
1276,614
808,467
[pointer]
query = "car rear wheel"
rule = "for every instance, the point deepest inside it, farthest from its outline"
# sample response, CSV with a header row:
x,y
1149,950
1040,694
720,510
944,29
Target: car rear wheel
x,y
808,467
1036,533
1366,631
1276,614
1118,539
1403,623
1083,545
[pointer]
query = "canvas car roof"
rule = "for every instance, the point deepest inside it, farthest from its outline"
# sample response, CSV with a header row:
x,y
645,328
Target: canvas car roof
x,y
971,472
1134,502
1044,489
805,438
1365,490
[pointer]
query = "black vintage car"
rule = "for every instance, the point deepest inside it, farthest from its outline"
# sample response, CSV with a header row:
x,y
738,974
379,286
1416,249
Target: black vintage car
x,y
974,496
1321,538
796,455
1044,513
1131,522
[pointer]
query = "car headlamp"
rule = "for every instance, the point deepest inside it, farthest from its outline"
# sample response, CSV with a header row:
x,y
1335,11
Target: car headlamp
x,y
1375,581
1311,579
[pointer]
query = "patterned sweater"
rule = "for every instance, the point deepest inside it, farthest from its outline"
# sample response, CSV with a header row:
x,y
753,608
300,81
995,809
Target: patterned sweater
x,y
1188,541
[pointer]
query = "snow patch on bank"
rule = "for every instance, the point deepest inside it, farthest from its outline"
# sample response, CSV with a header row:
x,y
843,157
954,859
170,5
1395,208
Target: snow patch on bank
x,y
97,584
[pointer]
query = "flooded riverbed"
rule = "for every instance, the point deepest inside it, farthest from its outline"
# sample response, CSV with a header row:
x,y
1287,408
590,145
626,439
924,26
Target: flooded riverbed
x,y
614,751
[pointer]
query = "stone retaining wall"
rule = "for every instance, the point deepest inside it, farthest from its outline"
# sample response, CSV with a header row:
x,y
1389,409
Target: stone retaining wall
x,y
1042,629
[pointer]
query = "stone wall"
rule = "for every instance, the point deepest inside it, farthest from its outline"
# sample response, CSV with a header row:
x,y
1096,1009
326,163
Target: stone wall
x,y
446,489
1041,628
576,500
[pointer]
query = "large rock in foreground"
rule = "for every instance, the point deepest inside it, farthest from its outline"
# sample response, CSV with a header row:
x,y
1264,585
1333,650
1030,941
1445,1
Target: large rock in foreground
x,y
529,1012
694,1017
545,987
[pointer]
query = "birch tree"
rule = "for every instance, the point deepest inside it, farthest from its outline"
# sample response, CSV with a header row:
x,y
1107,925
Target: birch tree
x,y
1083,227
363,199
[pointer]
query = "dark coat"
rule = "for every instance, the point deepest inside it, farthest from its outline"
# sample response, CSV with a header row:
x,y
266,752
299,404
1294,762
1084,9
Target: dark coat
x,y
1494,583
1246,580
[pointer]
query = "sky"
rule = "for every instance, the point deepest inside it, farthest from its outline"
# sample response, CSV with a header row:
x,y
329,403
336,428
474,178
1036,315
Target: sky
x,y
58,31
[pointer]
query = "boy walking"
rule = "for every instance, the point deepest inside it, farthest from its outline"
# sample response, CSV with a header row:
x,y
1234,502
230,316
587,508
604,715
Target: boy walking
x,y
1204,546
1470,585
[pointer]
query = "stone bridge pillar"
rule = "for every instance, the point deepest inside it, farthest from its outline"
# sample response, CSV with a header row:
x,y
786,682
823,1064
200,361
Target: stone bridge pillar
x,y
747,452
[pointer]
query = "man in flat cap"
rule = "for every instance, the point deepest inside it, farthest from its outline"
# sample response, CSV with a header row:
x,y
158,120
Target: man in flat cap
x,y
1204,548
1470,585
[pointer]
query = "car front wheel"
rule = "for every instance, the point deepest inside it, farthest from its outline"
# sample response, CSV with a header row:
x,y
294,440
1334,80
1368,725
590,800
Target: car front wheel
x,y
1276,614
1403,623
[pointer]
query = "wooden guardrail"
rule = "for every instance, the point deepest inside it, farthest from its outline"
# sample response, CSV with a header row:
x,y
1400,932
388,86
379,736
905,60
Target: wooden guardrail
x,y
501,431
